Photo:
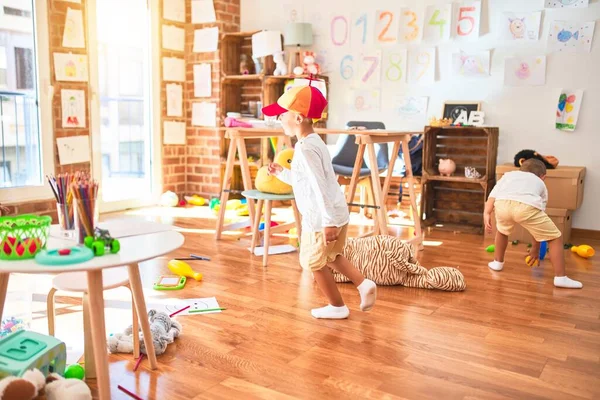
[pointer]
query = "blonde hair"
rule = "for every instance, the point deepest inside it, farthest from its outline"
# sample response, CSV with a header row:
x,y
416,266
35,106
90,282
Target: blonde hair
x,y
534,166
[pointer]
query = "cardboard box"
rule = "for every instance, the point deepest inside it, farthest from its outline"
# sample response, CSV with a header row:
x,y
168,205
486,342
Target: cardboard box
x,y
565,185
560,216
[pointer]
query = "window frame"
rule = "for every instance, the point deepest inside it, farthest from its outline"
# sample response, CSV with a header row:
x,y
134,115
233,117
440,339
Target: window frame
x,y
45,92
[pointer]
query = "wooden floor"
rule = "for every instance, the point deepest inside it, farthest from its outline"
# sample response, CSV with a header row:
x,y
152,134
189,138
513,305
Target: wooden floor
x,y
511,334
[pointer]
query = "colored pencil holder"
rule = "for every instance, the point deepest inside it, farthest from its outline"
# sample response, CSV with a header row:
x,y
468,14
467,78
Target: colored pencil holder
x,y
86,217
66,216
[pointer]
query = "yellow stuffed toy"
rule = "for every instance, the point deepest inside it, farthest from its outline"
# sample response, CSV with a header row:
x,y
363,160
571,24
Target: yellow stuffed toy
x,y
269,183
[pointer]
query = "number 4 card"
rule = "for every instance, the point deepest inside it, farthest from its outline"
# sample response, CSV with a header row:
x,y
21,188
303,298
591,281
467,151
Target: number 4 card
x,y
438,23
468,19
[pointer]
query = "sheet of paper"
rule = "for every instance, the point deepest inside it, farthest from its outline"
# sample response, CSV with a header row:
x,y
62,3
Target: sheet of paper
x,y
173,38
468,19
73,35
202,80
171,305
387,26
206,40
421,66
73,149
73,108
174,132
173,69
567,111
366,100
174,100
174,10
411,25
437,23
525,71
520,26
471,65
278,249
369,68
293,12
71,67
410,106
571,36
204,114
395,65
203,11
566,3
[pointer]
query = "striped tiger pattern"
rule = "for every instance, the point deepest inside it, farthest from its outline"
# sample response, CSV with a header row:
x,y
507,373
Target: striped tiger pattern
x,y
387,260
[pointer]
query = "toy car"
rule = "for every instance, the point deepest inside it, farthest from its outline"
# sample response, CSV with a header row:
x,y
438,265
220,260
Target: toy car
x,y
101,241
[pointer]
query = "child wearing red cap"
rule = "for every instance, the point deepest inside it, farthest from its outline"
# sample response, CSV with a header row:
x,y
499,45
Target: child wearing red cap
x,y
320,200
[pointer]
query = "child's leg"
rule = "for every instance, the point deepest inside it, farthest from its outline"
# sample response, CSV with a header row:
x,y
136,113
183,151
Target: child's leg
x,y
366,287
504,225
557,256
336,308
501,243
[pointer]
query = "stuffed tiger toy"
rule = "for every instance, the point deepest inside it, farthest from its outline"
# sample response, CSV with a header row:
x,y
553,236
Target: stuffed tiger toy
x,y
386,260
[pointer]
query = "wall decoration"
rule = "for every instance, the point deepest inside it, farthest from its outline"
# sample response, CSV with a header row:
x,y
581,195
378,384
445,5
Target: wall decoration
x,y
71,67
453,109
366,100
411,26
571,37
437,23
410,106
203,11
361,29
173,69
468,19
73,108
204,114
525,71
567,112
369,71
421,66
520,26
202,80
386,27
173,38
566,3
73,149
174,100
394,65
73,35
339,30
206,40
173,132
471,64
174,10
293,12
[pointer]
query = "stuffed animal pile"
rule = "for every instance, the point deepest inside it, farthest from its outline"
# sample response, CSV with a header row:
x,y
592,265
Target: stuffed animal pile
x,y
164,331
386,260
33,385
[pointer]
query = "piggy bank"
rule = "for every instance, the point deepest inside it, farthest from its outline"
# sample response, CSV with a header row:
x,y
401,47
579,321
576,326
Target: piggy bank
x,y
446,167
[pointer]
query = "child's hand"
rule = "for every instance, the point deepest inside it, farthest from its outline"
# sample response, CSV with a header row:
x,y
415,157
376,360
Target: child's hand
x,y
534,254
331,234
487,219
274,169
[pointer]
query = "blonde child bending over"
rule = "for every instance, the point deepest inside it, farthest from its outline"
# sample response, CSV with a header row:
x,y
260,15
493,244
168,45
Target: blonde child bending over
x,y
320,201
520,197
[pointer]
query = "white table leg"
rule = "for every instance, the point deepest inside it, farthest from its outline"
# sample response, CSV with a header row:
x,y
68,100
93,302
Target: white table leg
x,y
140,304
90,368
3,289
96,299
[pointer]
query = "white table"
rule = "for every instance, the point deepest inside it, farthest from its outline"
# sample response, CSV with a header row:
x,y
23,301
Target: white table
x,y
134,250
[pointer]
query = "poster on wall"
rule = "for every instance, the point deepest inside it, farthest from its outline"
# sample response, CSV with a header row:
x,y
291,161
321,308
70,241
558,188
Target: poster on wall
x,y
204,114
173,69
206,40
174,100
571,36
362,29
525,71
73,35
203,11
173,38
394,65
202,80
437,23
71,67
73,149
567,111
366,100
386,27
293,12
566,3
411,25
369,68
468,19
174,10
73,108
173,132
410,106
421,66
471,65
520,26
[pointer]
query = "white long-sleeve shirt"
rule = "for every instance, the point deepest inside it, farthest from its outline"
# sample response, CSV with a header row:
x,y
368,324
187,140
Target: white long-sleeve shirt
x,y
524,187
318,195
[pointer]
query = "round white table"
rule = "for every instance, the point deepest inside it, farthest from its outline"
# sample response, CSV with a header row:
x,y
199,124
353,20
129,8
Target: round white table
x,y
134,249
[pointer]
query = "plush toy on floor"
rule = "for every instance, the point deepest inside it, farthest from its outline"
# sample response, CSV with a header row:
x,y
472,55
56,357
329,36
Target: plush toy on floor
x,y
270,183
34,385
395,264
164,331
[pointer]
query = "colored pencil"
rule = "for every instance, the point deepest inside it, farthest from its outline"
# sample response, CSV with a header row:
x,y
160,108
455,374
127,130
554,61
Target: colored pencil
x,y
139,361
131,394
178,311
208,309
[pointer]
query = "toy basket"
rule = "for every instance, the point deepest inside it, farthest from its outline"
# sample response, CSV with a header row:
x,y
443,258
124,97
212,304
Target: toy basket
x,y
23,236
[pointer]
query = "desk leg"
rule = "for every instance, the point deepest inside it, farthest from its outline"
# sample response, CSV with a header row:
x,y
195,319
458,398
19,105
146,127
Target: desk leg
x,y
90,368
379,212
3,289
246,177
140,304
411,192
388,178
96,311
356,172
226,186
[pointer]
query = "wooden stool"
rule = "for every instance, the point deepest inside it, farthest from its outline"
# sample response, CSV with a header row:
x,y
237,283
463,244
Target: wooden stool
x,y
77,282
267,199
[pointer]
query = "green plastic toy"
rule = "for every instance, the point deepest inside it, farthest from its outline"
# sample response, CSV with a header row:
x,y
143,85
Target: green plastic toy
x,y
101,241
75,371
491,248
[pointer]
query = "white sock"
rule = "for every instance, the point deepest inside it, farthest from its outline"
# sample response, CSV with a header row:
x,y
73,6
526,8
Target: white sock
x,y
331,312
496,265
368,294
566,282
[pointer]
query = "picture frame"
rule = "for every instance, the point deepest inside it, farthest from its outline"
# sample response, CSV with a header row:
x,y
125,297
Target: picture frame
x,y
452,109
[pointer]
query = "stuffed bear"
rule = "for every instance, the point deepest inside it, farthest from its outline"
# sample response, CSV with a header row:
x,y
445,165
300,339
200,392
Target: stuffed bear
x,y
164,331
33,384
551,162
269,183
395,263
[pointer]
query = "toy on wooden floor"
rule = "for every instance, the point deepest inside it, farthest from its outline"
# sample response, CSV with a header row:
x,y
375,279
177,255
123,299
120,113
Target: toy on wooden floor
x,y
491,248
25,350
33,383
59,388
584,251
182,268
164,331
515,242
169,199
75,371
270,183
102,241
396,264
170,282
261,226
541,255
446,167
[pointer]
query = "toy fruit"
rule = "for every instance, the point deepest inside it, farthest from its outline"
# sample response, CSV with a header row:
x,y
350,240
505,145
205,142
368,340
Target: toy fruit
x,y
242,210
233,204
528,262
182,268
195,200
64,252
101,241
491,248
75,371
584,251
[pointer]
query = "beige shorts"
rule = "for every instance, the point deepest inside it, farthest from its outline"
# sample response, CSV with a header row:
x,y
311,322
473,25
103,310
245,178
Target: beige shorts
x,y
315,253
537,222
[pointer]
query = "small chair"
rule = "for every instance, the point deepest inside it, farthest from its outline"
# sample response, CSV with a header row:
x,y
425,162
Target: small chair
x,y
77,282
25,350
267,200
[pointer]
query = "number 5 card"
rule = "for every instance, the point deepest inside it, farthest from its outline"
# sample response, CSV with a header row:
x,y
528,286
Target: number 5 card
x,y
468,19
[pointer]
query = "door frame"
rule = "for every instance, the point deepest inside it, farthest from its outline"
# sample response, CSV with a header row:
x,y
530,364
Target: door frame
x,y
154,109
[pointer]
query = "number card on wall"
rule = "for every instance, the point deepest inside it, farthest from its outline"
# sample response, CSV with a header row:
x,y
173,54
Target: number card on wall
x,y
369,71
339,30
421,66
468,18
366,99
361,32
438,23
394,65
410,26
386,27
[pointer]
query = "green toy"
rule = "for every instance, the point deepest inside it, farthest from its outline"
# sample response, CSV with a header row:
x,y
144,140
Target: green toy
x,y
170,282
75,371
491,248
515,242
25,350
100,241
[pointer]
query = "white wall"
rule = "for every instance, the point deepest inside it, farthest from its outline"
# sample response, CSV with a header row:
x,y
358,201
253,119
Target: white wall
x,y
525,115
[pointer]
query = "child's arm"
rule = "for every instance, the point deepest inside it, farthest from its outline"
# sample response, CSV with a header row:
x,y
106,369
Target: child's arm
x,y
283,174
323,194
487,213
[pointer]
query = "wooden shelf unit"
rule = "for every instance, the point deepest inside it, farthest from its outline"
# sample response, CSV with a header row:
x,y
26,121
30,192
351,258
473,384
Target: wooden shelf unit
x,y
457,201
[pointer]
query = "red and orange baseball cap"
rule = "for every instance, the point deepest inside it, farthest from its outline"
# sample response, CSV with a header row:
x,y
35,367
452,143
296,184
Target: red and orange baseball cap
x,y
306,100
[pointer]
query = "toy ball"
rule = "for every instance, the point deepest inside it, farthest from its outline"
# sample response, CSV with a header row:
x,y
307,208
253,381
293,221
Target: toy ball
x,y
491,248
528,262
75,371
182,203
169,199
